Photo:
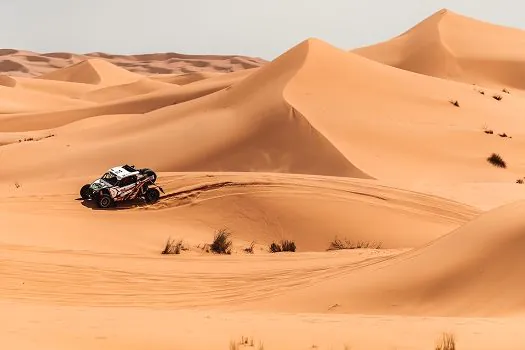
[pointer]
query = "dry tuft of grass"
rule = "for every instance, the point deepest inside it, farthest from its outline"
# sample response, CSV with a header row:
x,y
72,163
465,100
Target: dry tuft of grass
x,y
506,91
496,160
173,247
245,342
338,244
447,342
454,102
249,249
497,97
221,242
284,246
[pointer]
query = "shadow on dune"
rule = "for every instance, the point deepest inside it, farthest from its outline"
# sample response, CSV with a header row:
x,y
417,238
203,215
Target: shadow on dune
x,y
118,206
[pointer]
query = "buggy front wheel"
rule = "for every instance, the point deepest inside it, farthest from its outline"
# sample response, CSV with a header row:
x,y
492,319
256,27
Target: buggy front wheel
x,y
84,191
105,201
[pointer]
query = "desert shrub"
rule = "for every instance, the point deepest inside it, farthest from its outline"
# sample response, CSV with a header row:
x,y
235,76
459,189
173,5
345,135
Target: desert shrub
x,y
506,91
503,135
520,181
173,247
454,102
497,97
275,248
447,342
284,246
496,160
288,246
221,242
249,249
338,244
489,132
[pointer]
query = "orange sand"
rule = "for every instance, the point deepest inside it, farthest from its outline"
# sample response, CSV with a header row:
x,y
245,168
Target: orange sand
x,y
318,144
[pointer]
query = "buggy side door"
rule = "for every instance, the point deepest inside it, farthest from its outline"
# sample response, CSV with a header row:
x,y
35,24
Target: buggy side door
x,y
126,186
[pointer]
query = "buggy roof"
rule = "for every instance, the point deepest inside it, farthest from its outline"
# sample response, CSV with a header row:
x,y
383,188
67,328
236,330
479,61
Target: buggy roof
x,y
121,172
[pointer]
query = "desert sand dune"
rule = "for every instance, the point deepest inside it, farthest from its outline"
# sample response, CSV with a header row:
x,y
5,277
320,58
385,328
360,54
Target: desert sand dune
x,y
318,144
93,71
349,136
472,271
170,95
257,207
448,45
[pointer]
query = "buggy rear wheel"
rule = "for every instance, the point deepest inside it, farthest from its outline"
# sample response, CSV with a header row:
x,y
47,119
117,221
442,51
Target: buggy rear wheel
x,y
152,195
84,192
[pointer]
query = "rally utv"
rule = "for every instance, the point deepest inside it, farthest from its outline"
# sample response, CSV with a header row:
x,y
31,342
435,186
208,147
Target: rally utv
x,y
122,183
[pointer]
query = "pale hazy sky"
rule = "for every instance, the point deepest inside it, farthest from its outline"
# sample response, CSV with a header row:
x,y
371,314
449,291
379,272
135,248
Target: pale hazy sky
x,y
264,28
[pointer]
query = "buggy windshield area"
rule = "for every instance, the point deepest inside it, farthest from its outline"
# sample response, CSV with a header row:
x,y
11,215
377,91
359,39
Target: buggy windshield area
x,y
110,178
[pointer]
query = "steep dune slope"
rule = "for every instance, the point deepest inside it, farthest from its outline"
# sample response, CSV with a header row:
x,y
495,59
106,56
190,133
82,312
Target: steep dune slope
x,y
473,271
395,129
451,46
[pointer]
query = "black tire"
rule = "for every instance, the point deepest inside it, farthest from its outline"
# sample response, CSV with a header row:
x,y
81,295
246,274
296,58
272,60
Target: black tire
x,y
152,195
149,172
84,192
105,201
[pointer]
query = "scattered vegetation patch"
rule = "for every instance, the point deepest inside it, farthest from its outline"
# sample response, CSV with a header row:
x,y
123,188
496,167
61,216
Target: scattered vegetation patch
x,y
506,91
447,342
489,132
173,247
496,160
338,244
35,139
283,246
503,135
221,242
454,102
520,181
497,97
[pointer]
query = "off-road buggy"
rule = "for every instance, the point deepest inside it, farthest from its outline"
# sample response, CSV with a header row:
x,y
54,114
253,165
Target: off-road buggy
x,y
122,183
